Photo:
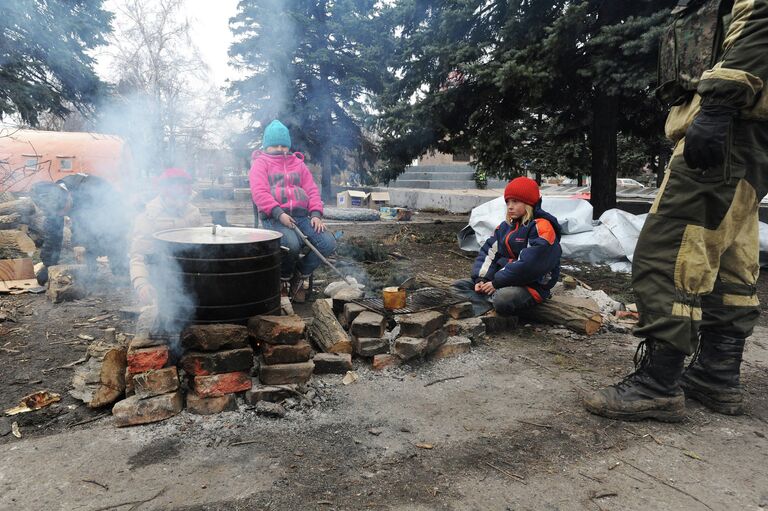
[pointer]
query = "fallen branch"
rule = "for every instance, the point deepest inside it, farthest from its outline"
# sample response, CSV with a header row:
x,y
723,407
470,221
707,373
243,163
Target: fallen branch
x,y
66,366
515,477
461,255
246,442
538,364
534,424
96,483
134,504
92,419
662,481
444,379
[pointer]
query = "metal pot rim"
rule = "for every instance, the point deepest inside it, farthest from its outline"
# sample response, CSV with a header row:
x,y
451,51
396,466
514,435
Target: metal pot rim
x,y
222,236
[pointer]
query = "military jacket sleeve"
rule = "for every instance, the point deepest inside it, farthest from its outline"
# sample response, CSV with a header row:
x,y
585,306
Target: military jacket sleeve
x,y
738,77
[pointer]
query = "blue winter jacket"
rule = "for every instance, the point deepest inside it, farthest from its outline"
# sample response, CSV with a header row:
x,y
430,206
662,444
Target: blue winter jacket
x,y
522,255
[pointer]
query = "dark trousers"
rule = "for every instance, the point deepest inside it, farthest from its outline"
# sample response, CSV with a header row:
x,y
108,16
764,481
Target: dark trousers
x,y
506,301
696,262
291,262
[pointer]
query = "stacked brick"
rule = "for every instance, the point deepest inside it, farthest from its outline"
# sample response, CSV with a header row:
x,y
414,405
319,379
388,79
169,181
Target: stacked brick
x,y
285,355
217,362
428,334
152,388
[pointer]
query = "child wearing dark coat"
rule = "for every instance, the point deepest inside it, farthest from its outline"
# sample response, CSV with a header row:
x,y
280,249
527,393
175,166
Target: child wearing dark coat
x,y
520,263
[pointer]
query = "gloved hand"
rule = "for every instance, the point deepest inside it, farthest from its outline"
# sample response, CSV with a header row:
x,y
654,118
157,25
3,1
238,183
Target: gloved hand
x,y
707,137
42,276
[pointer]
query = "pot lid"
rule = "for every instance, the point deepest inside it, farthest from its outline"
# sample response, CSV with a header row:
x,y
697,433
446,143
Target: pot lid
x,y
218,236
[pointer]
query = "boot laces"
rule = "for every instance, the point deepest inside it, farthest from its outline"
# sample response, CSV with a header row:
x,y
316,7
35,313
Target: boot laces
x,y
641,360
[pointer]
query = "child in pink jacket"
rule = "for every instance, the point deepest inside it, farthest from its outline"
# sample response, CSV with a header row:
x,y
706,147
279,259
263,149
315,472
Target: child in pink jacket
x,y
286,195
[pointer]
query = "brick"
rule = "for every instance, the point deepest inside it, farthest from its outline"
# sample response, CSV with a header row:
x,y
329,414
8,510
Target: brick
x,y
474,328
141,341
344,297
211,405
420,324
435,340
368,324
461,310
453,347
267,409
494,323
146,359
370,346
133,410
199,363
286,353
280,374
156,382
351,311
385,361
214,337
267,393
333,363
409,347
277,329
215,385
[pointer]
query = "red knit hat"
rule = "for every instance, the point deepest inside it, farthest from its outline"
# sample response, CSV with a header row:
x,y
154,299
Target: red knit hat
x,y
175,175
523,189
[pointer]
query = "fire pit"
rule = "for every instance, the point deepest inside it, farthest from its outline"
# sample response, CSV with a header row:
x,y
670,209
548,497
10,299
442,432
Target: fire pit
x,y
219,274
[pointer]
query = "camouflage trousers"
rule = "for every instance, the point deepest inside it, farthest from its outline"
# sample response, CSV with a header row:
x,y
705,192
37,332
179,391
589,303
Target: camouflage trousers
x,y
696,262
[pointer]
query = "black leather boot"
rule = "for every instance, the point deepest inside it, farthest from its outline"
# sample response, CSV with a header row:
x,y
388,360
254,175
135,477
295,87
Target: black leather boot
x,y
712,378
652,391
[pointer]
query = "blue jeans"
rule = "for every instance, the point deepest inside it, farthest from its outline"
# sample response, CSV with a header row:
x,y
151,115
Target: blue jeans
x,y
506,301
290,261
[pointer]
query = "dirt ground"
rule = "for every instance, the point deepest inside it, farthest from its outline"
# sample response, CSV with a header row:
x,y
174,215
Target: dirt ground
x,y
507,432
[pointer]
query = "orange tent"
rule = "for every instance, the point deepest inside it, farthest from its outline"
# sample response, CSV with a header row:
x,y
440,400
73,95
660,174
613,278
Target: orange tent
x,y
28,156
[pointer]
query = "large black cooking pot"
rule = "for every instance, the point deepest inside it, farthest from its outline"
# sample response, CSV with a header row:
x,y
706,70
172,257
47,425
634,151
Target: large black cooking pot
x,y
221,275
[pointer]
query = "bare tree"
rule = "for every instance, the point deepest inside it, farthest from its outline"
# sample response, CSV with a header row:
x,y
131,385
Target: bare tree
x,y
156,65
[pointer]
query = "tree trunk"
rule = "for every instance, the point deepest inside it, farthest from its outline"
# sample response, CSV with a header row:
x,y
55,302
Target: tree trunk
x,y
604,148
325,184
561,311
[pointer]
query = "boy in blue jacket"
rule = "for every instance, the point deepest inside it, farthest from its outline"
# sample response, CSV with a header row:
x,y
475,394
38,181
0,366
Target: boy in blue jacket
x,y
519,264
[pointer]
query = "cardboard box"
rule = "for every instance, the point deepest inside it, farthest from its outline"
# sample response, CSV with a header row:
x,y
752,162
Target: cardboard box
x,y
378,199
351,199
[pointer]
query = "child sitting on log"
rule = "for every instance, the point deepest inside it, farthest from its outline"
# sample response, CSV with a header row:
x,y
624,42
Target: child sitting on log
x,y
519,264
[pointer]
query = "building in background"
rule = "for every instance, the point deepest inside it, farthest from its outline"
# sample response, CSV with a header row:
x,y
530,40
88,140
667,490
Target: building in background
x,y
29,156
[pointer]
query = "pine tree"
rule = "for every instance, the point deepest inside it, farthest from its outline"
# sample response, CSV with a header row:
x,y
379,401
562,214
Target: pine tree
x,y
45,64
313,64
538,86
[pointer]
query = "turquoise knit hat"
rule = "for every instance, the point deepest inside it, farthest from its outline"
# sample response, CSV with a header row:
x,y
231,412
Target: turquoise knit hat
x,y
276,134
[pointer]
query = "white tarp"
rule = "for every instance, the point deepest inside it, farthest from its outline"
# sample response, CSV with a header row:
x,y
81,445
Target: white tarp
x,y
611,240
574,215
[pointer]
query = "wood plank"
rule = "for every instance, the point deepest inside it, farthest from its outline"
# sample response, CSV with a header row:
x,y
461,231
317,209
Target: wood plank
x,y
13,286
17,269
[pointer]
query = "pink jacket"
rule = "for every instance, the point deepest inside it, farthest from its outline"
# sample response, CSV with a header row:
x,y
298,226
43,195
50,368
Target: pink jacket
x,y
283,184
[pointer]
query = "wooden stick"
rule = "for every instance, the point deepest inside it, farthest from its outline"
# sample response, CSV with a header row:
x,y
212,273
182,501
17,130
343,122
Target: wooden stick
x,y
662,481
444,379
96,483
92,419
534,362
514,477
246,442
65,366
461,255
534,424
